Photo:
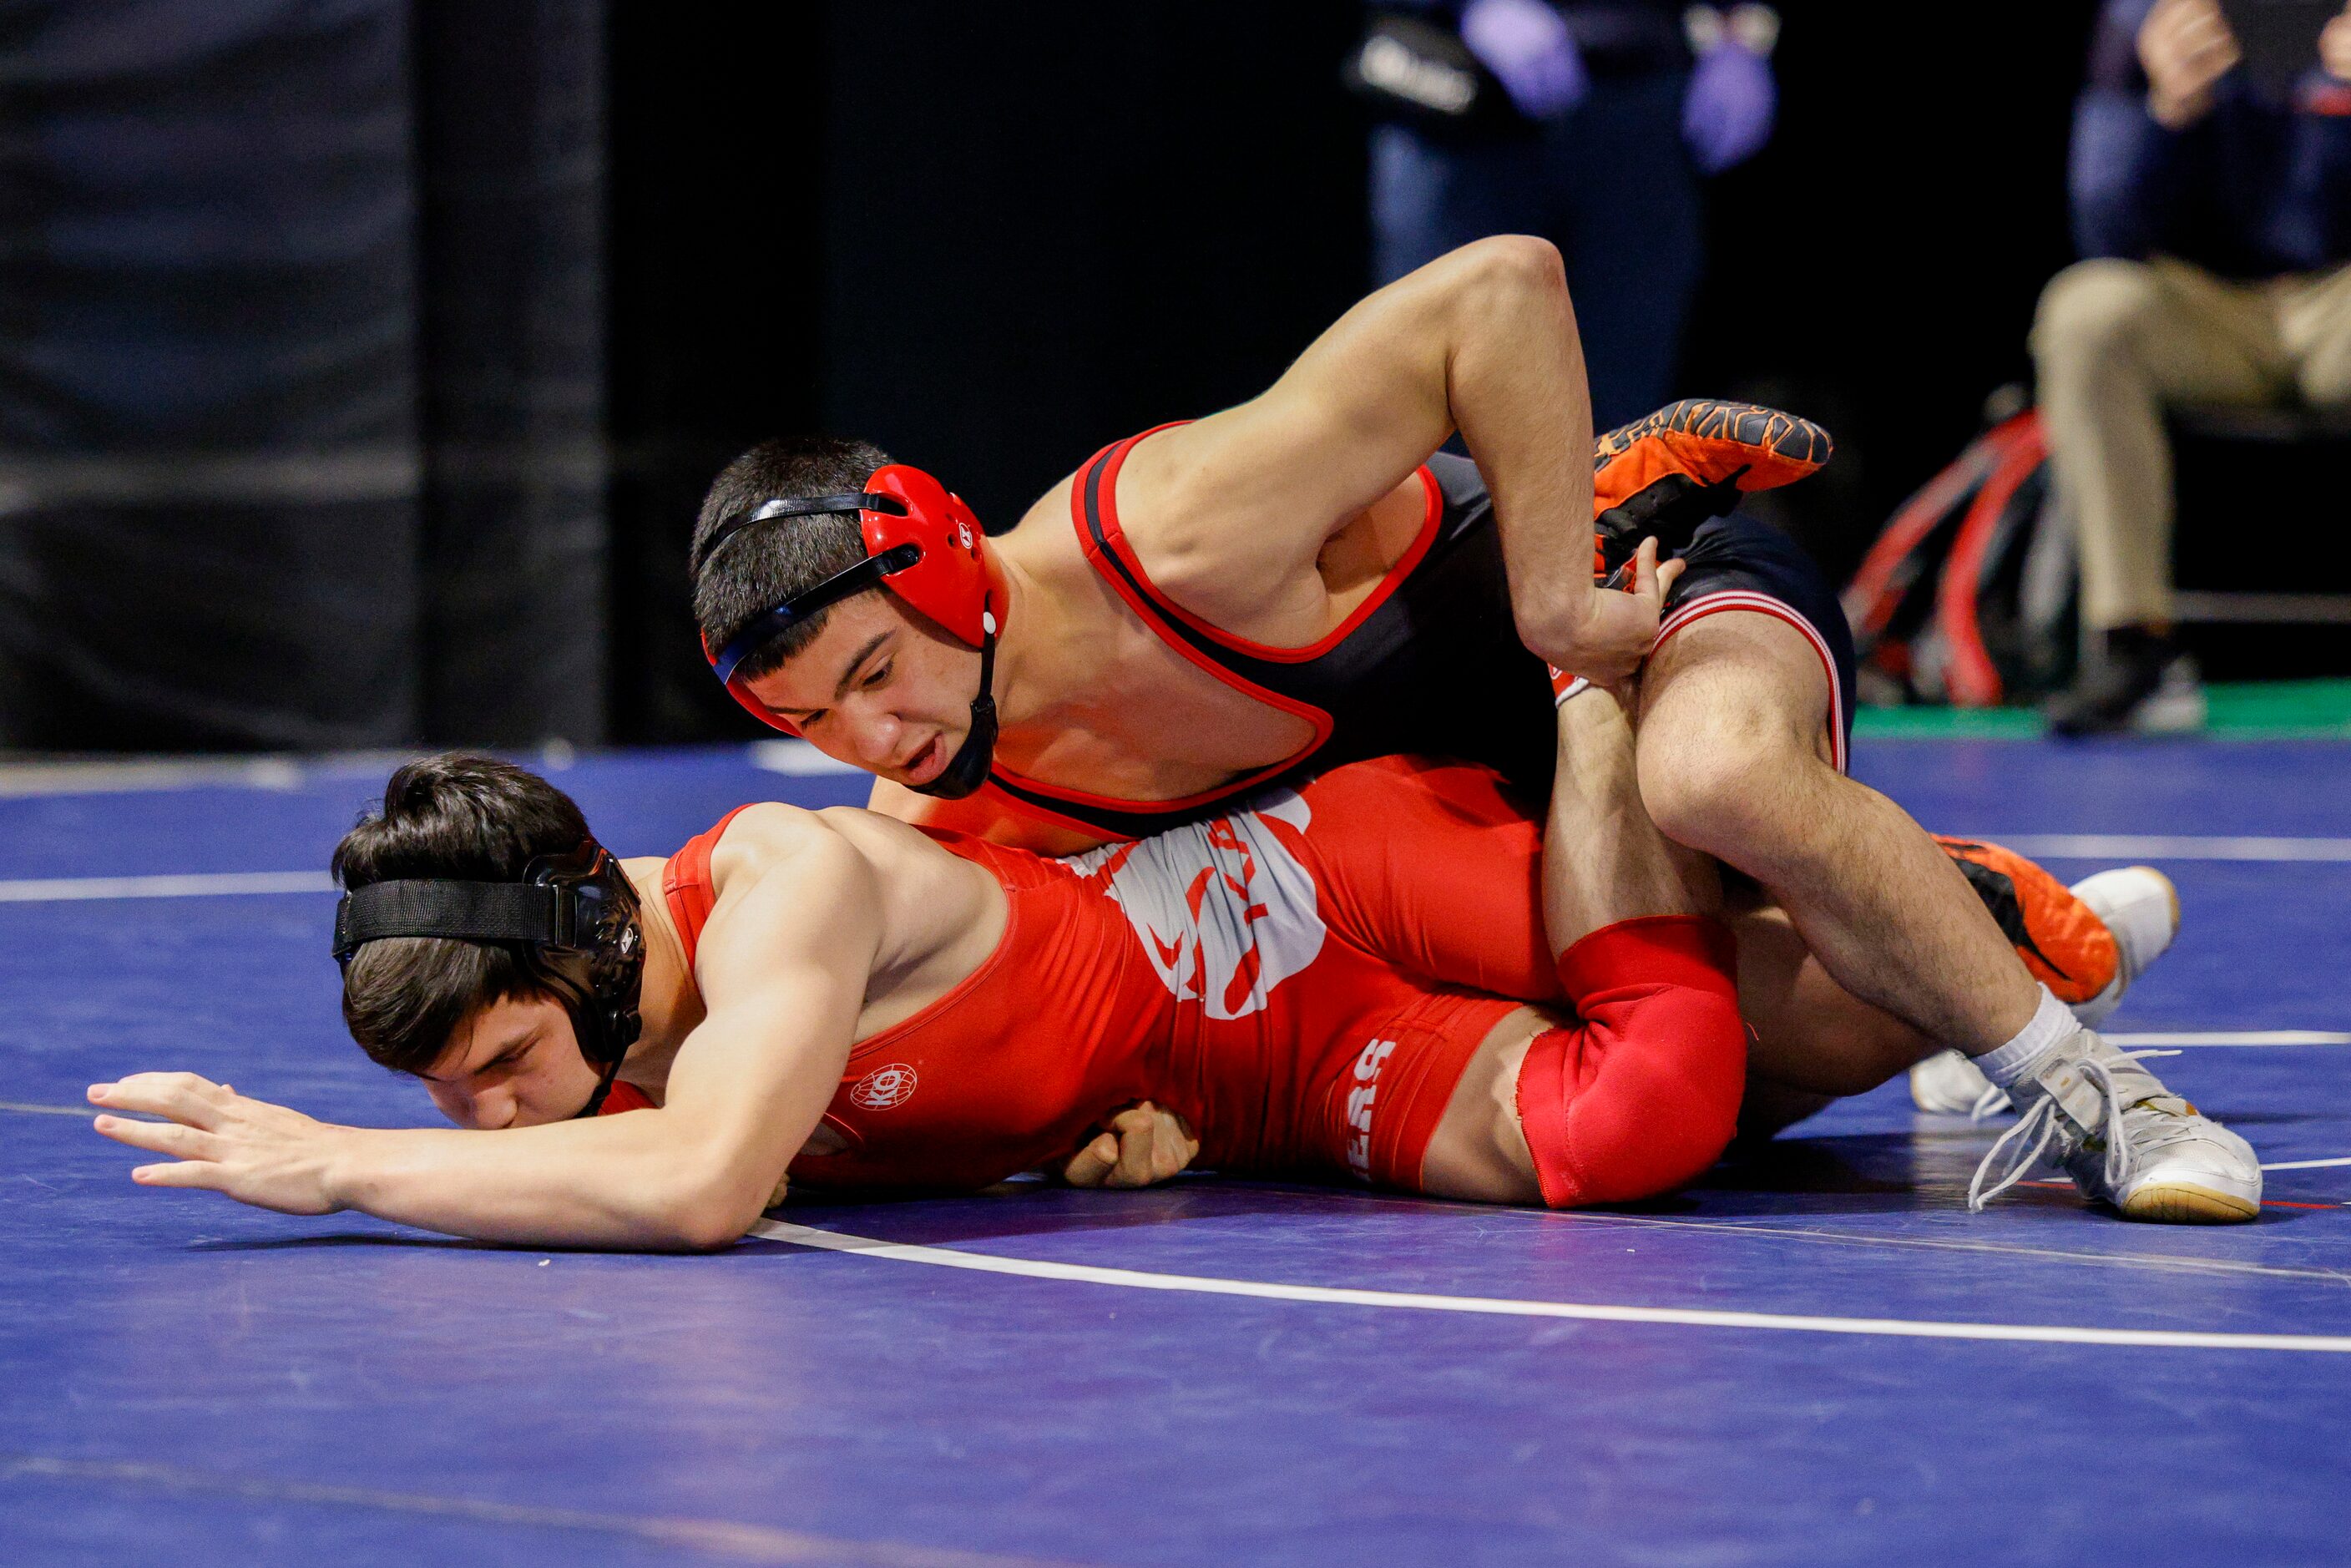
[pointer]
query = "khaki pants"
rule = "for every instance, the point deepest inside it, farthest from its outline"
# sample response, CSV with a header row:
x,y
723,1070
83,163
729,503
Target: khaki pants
x,y
2114,341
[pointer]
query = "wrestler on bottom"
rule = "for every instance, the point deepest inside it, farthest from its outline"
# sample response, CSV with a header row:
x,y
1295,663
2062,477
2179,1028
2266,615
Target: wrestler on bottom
x,y
842,995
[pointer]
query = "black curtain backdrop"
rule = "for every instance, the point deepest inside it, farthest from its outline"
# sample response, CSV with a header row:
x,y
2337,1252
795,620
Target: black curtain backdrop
x,y
717,243
318,321
301,378
510,344
208,433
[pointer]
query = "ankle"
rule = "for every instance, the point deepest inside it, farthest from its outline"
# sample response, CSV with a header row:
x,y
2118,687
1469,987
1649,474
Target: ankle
x,y
2023,1055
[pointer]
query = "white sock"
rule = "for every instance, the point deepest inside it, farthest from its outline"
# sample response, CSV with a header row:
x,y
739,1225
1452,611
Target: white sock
x,y
2011,1064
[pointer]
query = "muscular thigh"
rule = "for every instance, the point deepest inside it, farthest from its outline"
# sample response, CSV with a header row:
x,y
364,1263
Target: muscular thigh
x,y
1747,687
1729,694
1479,1148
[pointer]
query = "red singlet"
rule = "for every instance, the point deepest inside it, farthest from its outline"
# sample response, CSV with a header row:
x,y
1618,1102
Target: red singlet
x,y
1267,974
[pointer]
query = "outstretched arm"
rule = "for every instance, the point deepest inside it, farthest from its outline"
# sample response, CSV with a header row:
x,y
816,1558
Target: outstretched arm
x,y
1482,341
783,966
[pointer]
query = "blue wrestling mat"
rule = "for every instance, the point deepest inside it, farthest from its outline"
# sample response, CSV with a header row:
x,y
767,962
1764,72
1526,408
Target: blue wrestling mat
x,y
1818,1357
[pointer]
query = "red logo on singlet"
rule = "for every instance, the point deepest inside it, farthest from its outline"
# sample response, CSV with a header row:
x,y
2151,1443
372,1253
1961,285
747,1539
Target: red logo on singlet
x,y
884,1087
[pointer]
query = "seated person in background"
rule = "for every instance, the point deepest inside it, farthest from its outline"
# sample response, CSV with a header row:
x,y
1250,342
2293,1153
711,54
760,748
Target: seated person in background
x,y
2218,224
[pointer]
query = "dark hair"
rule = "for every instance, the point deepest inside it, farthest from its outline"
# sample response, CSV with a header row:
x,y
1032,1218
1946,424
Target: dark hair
x,y
463,817
764,565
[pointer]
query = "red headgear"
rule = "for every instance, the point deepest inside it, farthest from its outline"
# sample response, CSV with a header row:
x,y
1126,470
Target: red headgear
x,y
920,539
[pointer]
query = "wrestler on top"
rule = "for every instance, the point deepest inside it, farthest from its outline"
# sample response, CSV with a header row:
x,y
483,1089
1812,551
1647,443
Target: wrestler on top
x,y
1305,580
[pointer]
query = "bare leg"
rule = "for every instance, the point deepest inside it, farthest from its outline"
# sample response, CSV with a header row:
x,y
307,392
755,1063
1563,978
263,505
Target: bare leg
x,y
1479,1150
1603,859
1733,714
1603,862
1811,1034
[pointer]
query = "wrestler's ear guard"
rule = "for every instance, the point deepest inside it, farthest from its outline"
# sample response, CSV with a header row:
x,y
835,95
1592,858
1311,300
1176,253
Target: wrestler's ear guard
x,y
949,583
920,539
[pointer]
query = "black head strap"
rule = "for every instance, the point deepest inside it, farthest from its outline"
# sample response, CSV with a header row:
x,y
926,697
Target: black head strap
x,y
851,579
793,507
469,911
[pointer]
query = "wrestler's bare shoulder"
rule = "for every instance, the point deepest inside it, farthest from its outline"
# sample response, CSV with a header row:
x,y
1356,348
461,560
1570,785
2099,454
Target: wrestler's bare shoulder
x,y
1206,539
834,840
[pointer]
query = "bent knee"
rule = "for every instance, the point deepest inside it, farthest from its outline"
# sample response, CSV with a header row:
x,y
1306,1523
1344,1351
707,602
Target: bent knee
x,y
1701,795
1661,1124
2094,306
1661,1108
1723,786
2323,377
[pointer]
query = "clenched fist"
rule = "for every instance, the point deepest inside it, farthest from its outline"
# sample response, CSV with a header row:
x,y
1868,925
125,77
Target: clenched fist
x,y
1143,1145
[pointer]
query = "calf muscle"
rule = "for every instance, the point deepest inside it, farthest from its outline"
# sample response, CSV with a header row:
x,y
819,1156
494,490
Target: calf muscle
x,y
1732,738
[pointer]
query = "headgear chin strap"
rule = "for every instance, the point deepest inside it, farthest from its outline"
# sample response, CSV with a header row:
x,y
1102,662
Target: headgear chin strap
x,y
923,540
966,770
579,905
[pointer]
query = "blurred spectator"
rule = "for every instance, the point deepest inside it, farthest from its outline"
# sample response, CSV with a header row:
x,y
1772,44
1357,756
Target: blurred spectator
x,y
2217,216
1625,105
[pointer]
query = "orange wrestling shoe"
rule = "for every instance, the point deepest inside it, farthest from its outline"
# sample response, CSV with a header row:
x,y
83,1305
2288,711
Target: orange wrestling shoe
x,y
2060,937
2138,906
1670,471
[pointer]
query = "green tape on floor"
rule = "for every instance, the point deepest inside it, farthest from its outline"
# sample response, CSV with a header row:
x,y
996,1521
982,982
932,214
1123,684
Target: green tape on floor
x,y
2252,710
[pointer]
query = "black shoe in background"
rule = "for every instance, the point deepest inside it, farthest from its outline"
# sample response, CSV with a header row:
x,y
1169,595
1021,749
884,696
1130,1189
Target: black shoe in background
x,y
2109,694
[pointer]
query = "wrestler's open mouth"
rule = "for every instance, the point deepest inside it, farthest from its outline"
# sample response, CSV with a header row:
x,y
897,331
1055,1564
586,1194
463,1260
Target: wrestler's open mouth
x,y
927,763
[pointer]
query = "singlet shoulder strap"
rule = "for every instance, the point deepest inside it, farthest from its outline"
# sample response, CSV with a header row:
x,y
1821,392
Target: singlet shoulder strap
x,y
686,886
1287,678
1302,681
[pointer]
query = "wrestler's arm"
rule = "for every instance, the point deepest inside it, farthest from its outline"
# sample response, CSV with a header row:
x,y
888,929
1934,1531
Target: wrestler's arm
x,y
1482,340
783,966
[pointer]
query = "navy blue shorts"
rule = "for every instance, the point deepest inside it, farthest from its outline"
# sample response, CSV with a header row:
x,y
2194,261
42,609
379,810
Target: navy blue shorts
x,y
1737,563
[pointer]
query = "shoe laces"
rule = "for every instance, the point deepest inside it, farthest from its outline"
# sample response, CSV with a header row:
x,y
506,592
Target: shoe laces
x,y
2044,1122
1990,1103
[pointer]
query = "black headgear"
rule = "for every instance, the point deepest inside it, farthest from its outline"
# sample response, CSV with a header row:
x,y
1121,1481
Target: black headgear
x,y
575,904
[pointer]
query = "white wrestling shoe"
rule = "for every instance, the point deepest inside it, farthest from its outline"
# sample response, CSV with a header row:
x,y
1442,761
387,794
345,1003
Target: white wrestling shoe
x,y
2141,909
2125,1139
2138,904
1949,1083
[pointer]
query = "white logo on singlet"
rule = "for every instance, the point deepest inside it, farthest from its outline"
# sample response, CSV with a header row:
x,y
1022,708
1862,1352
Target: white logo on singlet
x,y
884,1087
1225,911
1359,1105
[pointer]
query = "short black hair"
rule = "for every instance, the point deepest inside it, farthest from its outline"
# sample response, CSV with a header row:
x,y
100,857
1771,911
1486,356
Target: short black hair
x,y
766,564
464,816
